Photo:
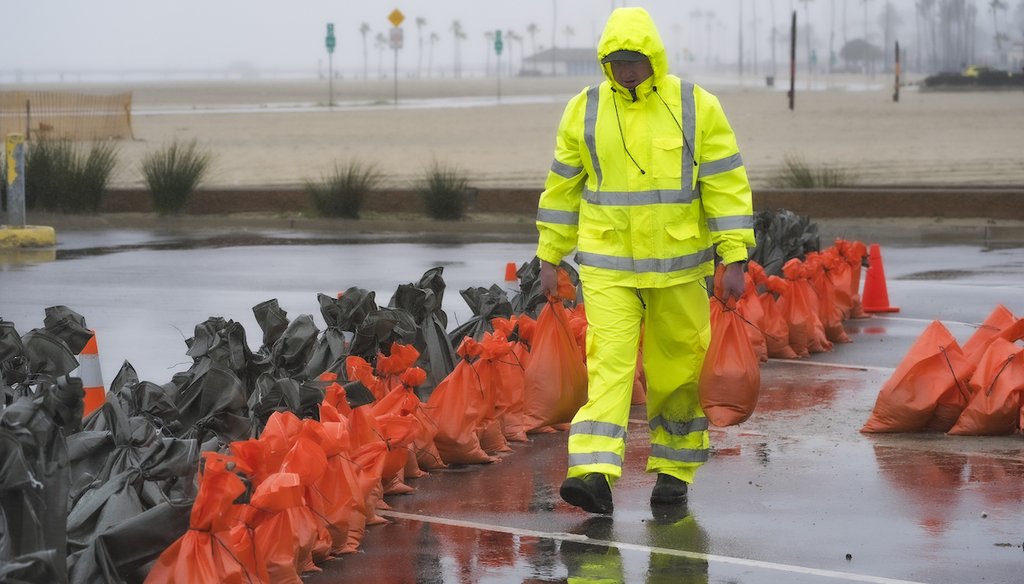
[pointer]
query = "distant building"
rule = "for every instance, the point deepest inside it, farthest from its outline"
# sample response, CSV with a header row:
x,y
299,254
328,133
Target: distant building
x,y
562,61
1015,56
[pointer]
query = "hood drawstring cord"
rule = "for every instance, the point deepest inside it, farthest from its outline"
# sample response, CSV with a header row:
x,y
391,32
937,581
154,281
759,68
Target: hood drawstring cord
x,y
689,150
622,136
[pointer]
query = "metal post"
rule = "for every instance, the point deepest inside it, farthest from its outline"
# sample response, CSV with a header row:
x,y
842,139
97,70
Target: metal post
x,y
499,77
792,62
15,180
896,94
330,80
396,77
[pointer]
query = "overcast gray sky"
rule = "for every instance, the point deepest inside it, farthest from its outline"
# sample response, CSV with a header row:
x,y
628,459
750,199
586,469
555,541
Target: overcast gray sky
x,y
70,35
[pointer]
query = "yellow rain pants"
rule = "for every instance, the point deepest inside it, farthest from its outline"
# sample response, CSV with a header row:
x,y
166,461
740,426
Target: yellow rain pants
x,y
676,329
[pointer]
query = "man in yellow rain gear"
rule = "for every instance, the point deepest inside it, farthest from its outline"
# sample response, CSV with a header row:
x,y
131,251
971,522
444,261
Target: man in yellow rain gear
x,y
647,185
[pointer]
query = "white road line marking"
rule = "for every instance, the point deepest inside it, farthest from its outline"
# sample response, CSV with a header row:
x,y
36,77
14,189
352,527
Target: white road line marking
x,y
836,365
647,549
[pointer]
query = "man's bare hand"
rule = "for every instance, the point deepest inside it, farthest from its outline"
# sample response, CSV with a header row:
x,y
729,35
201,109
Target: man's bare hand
x,y
549,279
733,282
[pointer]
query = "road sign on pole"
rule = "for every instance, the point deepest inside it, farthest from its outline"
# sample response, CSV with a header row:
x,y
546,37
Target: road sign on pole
x,y
329,42
396,18
497,43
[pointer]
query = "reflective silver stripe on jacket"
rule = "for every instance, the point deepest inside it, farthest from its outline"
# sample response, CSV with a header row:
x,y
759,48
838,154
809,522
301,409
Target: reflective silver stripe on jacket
x,y
626,198
590,128
659,265
679,428
564,170
559,217
595,428
689,134
596,458
719,166
732,222
679,454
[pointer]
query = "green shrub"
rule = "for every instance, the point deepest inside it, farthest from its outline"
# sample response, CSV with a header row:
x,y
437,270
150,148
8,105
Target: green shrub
x,y
341,192
173,173
63,177
443,190
797,174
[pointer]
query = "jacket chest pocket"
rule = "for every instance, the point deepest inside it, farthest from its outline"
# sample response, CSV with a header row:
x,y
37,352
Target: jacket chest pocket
x,y
667,152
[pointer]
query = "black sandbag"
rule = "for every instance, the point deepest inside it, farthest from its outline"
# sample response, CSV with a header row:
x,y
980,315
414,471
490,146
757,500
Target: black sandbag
x,y
380,329
273,320
530,298
125,552
782,235
486,304
48,354
423,301
69,326
211,399
35,568
37,512
146,399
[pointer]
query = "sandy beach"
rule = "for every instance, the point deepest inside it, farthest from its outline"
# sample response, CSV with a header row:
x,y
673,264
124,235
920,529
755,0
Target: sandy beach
x,y
279,133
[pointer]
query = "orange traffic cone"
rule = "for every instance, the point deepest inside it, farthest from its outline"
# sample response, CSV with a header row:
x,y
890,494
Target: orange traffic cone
x,y
876,296
510,272
92,377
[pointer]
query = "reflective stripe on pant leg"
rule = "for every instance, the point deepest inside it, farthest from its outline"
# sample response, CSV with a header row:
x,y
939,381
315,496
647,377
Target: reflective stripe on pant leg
x,y
677,333
597,439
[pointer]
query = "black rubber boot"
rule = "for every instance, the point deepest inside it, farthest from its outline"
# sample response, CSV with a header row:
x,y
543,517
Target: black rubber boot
x,y
589,492
668,490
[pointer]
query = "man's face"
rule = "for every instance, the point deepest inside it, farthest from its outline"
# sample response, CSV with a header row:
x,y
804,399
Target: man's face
x,y
629,74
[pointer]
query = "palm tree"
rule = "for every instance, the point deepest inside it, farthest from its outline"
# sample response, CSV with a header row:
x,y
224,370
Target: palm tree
x,y
995,6
489,38
430,59
807,24
532,29
569,33
363,29
420,23
518,38
380,42
457,34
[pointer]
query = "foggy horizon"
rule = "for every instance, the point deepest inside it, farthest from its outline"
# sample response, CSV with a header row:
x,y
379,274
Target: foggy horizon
x,y
254,37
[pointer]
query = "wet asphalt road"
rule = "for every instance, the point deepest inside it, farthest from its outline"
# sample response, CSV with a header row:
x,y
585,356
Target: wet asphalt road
x,y
795,494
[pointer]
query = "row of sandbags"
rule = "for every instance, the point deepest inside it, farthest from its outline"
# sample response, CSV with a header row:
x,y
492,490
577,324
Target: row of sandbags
x,y
80,498
970,390
308,488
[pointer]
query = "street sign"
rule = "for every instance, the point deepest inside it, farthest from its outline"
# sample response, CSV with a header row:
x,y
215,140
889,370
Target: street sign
x,y
396,17
329,41
396,38
497,43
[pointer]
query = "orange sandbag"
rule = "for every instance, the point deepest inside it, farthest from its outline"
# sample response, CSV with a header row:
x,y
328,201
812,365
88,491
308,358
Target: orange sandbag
x,y
284,535
775,329
494,349
795,313
335,496
1013,332
933,370
998,320
203,555
840,274
508,403
730,378
458,405
750,308
854,252
556,377
802,293
828,309
997,393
